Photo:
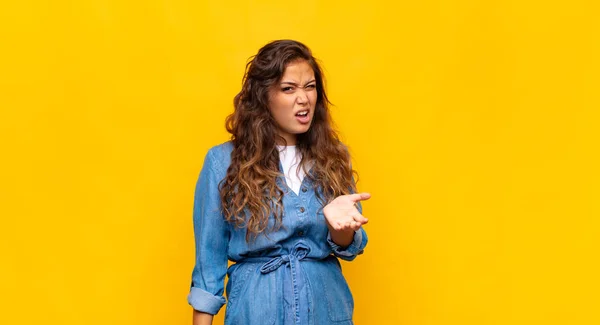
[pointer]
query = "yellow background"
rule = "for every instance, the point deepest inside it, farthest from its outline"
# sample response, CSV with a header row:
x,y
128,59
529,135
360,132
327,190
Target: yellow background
x,y
472,123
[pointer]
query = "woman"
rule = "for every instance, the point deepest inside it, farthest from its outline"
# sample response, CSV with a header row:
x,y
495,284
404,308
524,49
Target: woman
x,y
277,201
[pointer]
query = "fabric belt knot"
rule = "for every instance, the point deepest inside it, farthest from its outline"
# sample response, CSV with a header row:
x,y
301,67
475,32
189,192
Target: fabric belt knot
x,y
298,253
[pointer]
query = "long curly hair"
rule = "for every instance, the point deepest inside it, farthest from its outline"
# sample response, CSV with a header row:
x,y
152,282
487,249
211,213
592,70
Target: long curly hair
x,y
250,192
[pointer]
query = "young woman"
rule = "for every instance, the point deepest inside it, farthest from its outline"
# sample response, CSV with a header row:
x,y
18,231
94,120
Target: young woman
x,y
278,201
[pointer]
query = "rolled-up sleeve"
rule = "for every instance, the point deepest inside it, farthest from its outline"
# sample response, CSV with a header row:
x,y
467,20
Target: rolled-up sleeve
x,y
211,235
354,249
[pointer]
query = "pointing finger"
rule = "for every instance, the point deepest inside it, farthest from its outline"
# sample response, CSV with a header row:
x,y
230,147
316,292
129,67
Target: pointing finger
x,y
359,197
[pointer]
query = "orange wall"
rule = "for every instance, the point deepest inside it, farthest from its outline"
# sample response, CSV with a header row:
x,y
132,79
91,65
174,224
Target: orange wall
x,y
472,123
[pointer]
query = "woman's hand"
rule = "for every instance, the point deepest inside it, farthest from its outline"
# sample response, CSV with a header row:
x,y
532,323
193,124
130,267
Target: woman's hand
x,y
343,218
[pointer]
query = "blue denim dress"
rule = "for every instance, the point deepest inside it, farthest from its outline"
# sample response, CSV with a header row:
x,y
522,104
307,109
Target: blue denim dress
x,y
289,277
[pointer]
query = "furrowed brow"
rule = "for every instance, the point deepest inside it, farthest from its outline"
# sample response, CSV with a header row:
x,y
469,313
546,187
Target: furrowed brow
x,y
295,84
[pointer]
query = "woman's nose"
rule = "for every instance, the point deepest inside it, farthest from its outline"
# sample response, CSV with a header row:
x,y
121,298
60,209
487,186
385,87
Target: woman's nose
x,y
302,97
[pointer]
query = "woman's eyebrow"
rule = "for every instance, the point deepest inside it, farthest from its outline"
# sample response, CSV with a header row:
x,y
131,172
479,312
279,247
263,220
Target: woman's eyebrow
x,y
295,84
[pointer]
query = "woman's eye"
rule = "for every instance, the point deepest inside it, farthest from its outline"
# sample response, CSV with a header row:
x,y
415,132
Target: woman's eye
x,y
311,86
286,88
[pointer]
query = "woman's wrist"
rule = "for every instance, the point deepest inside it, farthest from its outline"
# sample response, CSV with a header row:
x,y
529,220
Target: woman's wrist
x,y
201,318
342,238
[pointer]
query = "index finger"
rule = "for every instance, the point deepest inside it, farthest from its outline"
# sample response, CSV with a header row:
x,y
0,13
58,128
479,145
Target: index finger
x,y
359,196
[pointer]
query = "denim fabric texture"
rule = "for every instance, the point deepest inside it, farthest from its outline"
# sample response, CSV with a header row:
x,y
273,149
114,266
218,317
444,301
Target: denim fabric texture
x,y
291,276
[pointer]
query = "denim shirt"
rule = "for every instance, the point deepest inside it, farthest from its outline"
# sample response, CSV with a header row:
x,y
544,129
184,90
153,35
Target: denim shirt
x,y
290,276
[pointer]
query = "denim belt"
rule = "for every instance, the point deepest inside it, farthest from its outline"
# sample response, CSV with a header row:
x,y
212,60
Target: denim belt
x,y
297,254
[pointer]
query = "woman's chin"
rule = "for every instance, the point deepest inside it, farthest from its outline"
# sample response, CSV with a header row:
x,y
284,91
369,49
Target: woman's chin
x,y
302,130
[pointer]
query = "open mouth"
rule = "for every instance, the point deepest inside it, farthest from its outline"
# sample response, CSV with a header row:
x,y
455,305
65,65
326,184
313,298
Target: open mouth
x,y
303,117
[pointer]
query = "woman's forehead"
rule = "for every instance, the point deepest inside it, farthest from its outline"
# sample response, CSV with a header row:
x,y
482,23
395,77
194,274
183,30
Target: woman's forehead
x,y
298,71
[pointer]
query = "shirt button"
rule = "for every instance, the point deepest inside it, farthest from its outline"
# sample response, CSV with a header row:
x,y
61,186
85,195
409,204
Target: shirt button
x,y
302,209
300,233
304,189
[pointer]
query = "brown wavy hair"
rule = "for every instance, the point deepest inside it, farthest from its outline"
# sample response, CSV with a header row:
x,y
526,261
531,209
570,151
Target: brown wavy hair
x,y
250,192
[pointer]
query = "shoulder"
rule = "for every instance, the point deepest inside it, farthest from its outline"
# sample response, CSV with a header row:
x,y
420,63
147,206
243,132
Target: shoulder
x,y
219,156
221,150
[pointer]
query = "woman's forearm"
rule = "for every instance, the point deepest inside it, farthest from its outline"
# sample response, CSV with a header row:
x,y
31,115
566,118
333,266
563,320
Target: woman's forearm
x,y
201,318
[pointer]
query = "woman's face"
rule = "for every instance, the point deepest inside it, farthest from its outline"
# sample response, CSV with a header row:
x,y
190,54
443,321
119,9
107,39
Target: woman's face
x,y
292,101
